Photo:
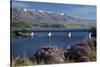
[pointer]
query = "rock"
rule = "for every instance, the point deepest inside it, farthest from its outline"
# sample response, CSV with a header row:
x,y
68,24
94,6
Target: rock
x,y
48,55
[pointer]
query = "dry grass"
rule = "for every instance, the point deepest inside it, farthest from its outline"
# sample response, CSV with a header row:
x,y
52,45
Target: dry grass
x,y
20,62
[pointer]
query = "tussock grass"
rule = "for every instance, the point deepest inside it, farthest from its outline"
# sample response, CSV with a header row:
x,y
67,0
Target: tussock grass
x,y
18,61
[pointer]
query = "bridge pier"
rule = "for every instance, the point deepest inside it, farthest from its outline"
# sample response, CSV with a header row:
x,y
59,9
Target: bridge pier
x,y
49,34
32,34
89,35
69,34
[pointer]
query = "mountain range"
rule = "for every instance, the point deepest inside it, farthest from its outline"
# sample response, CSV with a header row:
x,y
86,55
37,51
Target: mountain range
x,y
31,16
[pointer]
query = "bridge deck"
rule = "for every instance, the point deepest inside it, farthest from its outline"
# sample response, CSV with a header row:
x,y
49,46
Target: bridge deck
x,y
55,30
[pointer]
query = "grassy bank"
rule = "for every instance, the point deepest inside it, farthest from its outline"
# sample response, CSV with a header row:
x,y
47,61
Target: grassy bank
x,y
24,25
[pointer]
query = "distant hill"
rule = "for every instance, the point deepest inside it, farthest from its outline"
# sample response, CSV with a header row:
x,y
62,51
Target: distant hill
x,y
42,18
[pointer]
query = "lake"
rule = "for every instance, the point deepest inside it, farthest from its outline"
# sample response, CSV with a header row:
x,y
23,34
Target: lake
x,y
27,46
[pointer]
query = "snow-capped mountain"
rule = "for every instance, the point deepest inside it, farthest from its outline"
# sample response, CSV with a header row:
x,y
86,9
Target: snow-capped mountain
x,y
49,17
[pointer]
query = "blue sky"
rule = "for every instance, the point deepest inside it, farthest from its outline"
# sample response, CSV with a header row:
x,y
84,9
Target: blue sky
x,y
81,11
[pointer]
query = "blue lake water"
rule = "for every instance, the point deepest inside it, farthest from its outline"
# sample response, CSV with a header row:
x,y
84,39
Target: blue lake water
x,y
27,46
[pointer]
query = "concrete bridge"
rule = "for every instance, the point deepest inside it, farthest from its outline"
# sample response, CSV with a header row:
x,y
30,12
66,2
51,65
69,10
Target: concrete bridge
x,y
54,30
51,30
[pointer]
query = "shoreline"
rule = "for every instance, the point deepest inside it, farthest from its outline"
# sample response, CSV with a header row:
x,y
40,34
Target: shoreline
x,y
69,49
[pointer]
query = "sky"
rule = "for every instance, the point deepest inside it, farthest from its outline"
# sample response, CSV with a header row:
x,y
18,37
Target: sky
x,y
80,11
